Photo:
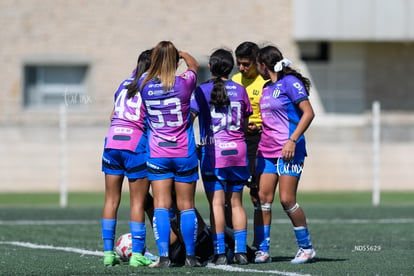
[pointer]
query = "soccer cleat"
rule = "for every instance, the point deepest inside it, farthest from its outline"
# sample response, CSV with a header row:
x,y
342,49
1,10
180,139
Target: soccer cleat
x,y
137,259
110,259
149,255
241,259
303,256
251,250
162,262
220,259
191,261
262,257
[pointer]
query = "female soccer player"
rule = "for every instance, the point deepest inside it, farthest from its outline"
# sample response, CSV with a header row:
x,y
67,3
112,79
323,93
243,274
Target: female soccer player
x,y
286,113
125,155
223,108
172,156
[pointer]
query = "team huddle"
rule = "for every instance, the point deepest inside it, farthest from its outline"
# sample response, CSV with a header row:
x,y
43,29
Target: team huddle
x,y
251,128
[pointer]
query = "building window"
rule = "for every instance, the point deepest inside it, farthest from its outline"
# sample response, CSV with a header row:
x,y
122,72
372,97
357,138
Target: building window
x,y
51,85
314,51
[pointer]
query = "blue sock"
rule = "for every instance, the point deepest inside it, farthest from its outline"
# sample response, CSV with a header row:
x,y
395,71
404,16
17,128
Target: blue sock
x,y
240,240
263,237
161,225
138,233
302,237
171,211
108,233
219,243
189,225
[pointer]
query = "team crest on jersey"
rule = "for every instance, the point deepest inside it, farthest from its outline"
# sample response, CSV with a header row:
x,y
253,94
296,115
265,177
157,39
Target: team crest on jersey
x,y
185,75
276,92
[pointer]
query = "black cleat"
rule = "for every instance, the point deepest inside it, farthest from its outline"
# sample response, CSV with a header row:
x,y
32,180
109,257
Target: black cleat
x,y
241,259
162,262
220,259
191,261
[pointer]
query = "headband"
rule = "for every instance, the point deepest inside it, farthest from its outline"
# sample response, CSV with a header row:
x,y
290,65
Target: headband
x,y
279,65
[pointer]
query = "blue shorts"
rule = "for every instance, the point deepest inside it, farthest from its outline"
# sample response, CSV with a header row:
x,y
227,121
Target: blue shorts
x,y
181,169
280,167
229,179
124,162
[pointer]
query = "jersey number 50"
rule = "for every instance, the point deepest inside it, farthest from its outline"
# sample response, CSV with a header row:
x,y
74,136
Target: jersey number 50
x,y
226,120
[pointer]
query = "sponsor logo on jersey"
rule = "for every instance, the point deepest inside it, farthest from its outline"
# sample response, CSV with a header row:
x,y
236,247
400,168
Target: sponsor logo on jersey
x,y
155,92
265,105
231,87
168,138
123,130
231,93
299,87
228,145
155,85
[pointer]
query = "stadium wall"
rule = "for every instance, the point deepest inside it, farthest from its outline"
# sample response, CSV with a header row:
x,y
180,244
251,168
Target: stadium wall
x,y
340,156
107,36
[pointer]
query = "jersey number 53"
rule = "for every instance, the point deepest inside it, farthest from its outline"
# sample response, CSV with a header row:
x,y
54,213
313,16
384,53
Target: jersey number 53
x,y
172,106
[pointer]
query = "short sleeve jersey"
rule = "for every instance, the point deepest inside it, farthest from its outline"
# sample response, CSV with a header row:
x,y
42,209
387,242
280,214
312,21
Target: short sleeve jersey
x,y
127,124
222,128
170,132
280,114
254,90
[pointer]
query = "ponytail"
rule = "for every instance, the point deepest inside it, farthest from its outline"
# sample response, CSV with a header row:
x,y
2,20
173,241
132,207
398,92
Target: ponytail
x,y
221,63
219,95
143,63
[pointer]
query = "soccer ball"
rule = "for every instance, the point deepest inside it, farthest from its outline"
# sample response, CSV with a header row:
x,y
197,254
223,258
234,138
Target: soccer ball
x,y
124,247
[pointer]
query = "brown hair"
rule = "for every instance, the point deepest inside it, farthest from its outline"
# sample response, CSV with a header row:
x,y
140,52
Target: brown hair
x,y
269,55
164,61
143,63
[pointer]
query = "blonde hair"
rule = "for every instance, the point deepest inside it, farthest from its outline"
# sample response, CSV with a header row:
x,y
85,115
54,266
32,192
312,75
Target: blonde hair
x,y
164,61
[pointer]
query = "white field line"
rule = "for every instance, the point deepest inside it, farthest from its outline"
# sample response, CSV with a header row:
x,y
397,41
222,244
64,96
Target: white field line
x,y
226,268
48,222
229,268
276,221
51,247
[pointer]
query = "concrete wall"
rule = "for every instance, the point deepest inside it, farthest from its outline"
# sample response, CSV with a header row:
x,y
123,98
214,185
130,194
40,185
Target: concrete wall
x,y
108,35
340,156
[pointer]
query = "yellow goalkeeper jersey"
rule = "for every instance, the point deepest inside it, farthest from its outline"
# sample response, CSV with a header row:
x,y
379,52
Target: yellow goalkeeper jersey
x,y
254,90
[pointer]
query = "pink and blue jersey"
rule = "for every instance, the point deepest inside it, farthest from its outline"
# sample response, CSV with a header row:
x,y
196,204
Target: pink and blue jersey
x,y
280,114
222,128
170,132
127,130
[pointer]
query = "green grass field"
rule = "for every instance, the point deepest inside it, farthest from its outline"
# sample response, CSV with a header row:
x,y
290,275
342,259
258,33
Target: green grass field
x,y
351,237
